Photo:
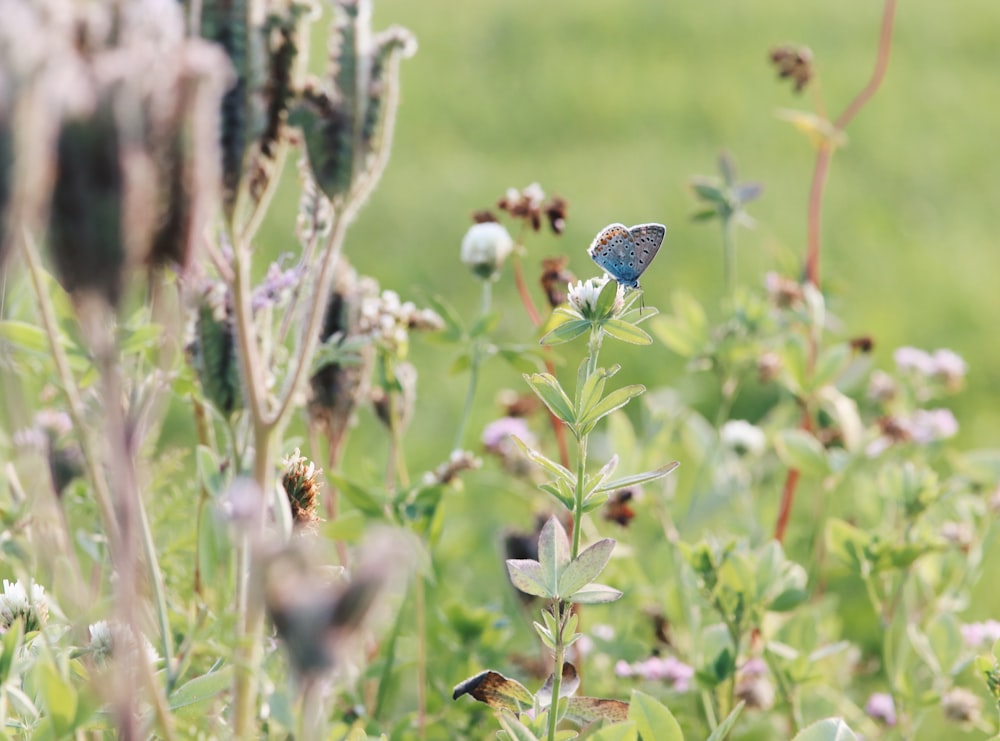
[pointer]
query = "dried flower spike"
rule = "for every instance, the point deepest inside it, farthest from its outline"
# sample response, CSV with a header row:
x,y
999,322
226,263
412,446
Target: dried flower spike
x,y
555,280
795,63
300,481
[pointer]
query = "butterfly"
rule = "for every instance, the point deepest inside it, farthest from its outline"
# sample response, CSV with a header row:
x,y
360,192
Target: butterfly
x,y
625,252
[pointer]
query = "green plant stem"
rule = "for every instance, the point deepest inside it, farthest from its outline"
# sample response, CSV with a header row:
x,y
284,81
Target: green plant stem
x,y
421,610
474,364
729,254
91,459
557,669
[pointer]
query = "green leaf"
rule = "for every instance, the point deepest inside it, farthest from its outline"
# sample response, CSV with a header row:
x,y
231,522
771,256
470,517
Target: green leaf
x,y
357,495
846,542
708,191
348,526
589,393
515,728
844,411
202,688
625,731
586,567
58,696
141,339
584,710
725,727
209,473
26,336
606,299
454,330
638,479
495,690
830,729
485,325
566,332
9,646
800,450
595,594
556,469
615,400
547,387
654,720
526,574
524,361
553,553
461,364
830,364
626,332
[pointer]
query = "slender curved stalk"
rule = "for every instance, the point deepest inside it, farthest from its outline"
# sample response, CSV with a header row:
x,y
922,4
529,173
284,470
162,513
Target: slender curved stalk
x,y
91,459
474,365
814,220
560,656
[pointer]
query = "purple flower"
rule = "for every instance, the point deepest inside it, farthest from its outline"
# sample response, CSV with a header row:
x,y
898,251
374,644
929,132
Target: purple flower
x,y
881,707
976,634
277,284
658,668
495,434
915,360
928,425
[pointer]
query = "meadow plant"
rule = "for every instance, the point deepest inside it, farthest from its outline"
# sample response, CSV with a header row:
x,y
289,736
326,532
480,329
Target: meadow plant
x,y
194,544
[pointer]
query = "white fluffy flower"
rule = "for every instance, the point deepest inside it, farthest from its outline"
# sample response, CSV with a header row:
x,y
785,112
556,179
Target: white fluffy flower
x,y
485,247
743,437
15,603
583,296
102,641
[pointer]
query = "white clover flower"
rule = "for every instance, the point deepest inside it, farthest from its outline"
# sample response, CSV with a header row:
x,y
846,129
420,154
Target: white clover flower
x,y
485,247
743,437
15,603
950,368
583,296
928,425
961,705
102,642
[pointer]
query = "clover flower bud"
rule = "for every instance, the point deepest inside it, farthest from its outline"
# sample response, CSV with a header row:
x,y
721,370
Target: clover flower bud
x,y
961,705
583,296
881,708
485,247
31,605
301,484
742,437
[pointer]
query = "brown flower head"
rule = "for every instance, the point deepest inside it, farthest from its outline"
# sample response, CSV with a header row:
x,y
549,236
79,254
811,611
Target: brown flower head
x,y
555,211
794,63
618,508
301,484
555,279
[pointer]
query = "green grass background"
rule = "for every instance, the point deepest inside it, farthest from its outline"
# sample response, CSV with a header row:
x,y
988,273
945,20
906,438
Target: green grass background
x,y
614,105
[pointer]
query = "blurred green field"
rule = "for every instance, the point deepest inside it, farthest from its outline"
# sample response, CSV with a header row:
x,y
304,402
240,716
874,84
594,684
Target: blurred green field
x,y
614,106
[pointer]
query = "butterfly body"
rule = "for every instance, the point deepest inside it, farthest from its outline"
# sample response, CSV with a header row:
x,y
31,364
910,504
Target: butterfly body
x,y
625,252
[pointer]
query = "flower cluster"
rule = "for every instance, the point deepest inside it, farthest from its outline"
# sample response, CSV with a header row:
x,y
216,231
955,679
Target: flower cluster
x,y
529,205
923,426
30,605
497,440
277,287
583,296
102,642
387,320
447,472
977,634
942,365
667,669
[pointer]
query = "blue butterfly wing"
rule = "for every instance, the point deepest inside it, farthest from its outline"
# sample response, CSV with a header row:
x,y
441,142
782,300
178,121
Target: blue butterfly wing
x,y
624,252
614,250
647,238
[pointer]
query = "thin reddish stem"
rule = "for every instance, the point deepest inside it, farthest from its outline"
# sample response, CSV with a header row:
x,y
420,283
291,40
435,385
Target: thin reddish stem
x,y
814,222
536,319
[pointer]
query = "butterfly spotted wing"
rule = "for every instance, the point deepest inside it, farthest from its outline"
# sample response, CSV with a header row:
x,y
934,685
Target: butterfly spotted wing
x,y
625,252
